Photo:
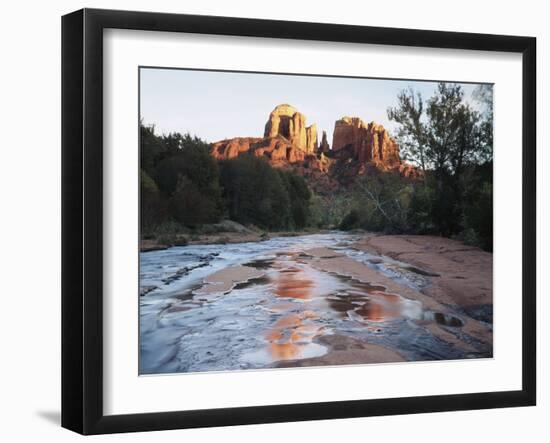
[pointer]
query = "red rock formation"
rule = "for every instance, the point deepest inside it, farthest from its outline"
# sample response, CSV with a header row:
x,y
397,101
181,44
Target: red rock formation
x,y
353,138
357,149
231,148
278,150
311,139
286,121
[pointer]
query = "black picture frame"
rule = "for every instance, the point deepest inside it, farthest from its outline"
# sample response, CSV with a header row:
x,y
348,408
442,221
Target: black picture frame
x,y
82,218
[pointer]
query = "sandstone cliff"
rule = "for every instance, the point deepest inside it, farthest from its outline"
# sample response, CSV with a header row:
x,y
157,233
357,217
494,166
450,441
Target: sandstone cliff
x,y
231,148
311,139
278,150
353,138
358,148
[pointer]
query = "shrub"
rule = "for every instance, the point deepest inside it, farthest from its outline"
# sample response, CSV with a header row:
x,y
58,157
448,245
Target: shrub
x,y
351,221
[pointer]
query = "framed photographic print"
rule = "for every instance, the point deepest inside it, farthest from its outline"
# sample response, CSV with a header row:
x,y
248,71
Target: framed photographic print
x,y
269,221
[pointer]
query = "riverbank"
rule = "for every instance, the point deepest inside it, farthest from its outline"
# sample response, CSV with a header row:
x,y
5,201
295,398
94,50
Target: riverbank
x,y
462,275
227,232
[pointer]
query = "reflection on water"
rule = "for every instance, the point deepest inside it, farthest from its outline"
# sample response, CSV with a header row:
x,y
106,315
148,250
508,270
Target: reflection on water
x,y
372,302
292,335
293,283
290,338
276,317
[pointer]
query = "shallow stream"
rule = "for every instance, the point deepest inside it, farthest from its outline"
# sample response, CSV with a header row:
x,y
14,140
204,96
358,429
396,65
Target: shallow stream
x,y
280,315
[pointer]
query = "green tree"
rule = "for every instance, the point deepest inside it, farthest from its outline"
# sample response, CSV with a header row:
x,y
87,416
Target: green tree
x,y
255,193
483,95
447,138
185,178
151,148
381,203
411,132
189,206
152,206
299,196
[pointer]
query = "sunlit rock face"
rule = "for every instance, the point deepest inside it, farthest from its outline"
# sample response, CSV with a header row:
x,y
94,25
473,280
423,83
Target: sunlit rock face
x,y
358,148
277,150
287,122
286,140
233,147
311,139
353,138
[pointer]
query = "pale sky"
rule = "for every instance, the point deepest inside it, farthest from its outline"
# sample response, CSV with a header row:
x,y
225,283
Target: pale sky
x,y
217,105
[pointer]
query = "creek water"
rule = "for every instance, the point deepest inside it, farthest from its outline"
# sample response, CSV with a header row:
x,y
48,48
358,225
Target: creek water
x,y
280,315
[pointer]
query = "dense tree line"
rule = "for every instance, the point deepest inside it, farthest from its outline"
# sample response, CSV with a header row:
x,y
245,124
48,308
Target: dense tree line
x,y
179,181
182,184
452,144
256,193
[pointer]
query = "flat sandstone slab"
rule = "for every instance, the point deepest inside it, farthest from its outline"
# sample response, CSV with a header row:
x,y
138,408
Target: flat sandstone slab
x,y
347,351
466,272
225,279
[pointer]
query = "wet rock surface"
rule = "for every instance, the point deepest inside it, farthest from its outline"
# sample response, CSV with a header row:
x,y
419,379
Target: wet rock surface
x,y
298,301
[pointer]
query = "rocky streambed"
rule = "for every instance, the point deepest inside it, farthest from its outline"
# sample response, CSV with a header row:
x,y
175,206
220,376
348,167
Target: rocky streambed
x,y
325,299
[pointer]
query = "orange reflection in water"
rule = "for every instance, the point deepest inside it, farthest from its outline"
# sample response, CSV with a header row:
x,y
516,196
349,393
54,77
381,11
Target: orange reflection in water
x,y
292,335
284,351
370,301
293,283
381,306
288,321
289,338
283,338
